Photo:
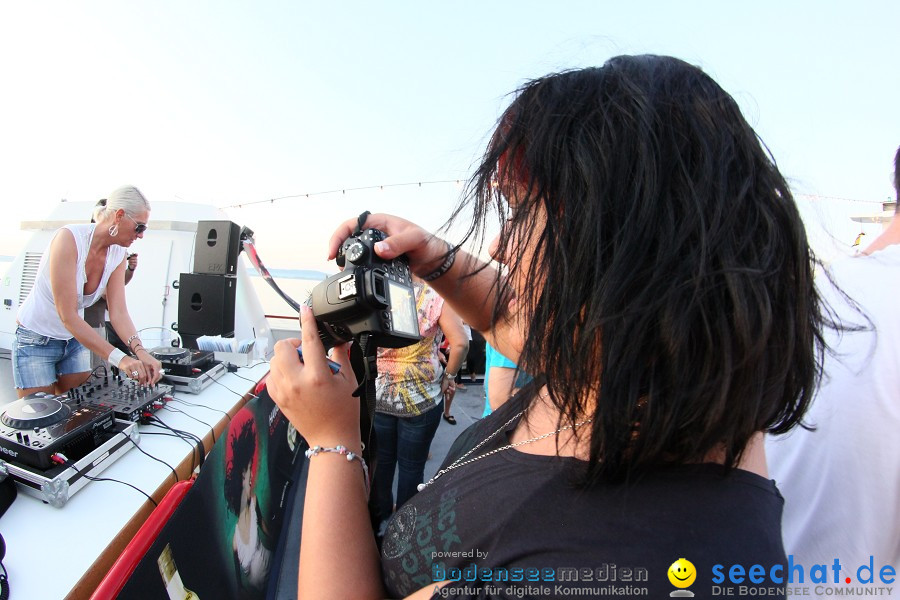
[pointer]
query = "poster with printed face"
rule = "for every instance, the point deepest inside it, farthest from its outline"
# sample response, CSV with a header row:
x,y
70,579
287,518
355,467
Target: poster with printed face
x,y
221,541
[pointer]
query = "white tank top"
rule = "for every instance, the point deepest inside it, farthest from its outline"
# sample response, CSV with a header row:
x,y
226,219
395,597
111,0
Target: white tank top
x,y
38,312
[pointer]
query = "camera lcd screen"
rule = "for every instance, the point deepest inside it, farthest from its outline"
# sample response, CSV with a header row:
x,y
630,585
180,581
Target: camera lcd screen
x,y
403,309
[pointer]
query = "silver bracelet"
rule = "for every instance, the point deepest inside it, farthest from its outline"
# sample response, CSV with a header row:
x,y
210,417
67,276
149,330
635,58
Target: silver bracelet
x,y
449,259
351,456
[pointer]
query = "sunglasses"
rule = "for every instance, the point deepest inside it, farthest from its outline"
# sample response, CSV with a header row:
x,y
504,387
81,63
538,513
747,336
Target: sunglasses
x,y
138,227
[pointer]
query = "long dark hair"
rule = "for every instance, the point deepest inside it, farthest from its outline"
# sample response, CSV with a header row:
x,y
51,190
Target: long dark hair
x,y
673,279
240,454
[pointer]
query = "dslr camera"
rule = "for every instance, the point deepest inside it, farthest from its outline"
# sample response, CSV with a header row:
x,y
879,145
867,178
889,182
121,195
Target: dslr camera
x,y
370,296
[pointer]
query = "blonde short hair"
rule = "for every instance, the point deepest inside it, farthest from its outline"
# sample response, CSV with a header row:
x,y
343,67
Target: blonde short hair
x,y
128,198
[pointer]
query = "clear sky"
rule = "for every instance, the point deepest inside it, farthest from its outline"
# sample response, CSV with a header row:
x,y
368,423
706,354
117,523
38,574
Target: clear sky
x,y
229,102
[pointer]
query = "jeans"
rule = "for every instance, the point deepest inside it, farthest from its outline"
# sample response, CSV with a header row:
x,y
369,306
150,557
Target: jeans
x,y
403,442
38,360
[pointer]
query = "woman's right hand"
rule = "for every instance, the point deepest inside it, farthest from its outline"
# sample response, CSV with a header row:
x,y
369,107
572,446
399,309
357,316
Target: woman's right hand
x,y
319,403
424,250
151,364
134,369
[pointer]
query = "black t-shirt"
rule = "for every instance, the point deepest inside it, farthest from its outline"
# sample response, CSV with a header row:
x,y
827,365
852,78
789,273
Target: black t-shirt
x,y
513,525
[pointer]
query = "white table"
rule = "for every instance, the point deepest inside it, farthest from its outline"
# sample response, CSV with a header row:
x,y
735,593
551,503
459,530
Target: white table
x,y
64,552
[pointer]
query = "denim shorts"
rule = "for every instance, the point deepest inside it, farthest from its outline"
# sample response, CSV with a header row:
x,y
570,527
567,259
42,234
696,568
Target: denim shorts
x,y
38,360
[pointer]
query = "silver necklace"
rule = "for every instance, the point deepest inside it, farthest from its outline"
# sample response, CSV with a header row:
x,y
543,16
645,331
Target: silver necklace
x,y
461,461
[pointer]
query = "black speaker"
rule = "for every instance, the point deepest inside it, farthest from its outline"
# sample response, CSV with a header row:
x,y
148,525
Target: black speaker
x,y
206,304
217,247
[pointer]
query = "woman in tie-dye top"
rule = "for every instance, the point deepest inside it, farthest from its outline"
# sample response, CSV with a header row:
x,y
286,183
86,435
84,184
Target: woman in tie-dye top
x,y
410,388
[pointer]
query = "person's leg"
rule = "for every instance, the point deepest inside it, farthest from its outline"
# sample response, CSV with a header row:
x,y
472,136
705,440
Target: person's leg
x,y
414,441
459,384
47,389
34,358
448,400
69,381
74,368
386,456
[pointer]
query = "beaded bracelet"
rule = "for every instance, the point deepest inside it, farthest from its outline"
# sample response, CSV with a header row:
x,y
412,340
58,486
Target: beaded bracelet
x,y
449,259
131,339
315,450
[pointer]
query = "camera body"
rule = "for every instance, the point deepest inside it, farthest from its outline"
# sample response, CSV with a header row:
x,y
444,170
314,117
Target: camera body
x,y
370,296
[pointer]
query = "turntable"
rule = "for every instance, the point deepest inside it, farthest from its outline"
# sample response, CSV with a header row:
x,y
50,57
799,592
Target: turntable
x,y
188,370
168,353
37,426
181,361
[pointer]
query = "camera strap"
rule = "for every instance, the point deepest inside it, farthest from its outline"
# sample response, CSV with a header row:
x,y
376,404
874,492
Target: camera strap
x,y
365,365
360,222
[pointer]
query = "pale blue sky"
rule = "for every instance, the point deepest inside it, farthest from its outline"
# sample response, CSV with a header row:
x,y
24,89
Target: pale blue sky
x,y
234,102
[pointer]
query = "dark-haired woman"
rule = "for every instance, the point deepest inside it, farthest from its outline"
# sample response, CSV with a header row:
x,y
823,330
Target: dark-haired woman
x,y
659,286
252,557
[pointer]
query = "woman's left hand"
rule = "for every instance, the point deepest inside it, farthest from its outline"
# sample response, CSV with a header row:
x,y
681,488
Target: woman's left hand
x,y
154,367
319,403
448,387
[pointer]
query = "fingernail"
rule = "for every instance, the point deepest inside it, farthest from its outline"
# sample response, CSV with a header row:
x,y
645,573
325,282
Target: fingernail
x,y
304,310
381,247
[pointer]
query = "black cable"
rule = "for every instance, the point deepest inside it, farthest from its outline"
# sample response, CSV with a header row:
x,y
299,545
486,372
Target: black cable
x,y
192,440
160,433
238,394
69,463
153,457
105,371
201,449
182,401
180,432
186,433
256,364
246,379
174,435
156,422
211,430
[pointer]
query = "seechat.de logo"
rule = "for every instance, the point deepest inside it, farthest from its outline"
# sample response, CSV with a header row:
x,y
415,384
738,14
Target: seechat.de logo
x,y
682,574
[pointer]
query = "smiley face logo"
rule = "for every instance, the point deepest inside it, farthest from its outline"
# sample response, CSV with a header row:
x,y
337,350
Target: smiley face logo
x,y
682,573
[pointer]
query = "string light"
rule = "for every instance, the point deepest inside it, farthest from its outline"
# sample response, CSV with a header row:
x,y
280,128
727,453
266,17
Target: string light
x,y
818,197
343,191
458,183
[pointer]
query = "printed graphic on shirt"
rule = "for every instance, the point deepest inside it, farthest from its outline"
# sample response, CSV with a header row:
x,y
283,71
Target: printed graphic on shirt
x,y
408,378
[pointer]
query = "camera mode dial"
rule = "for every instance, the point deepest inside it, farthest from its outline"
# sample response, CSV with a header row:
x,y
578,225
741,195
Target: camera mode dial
x,y
356,252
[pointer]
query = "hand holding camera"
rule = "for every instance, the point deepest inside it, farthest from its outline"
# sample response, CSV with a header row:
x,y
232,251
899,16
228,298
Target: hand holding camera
x,y
423,251
373,296
311,395
373,300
